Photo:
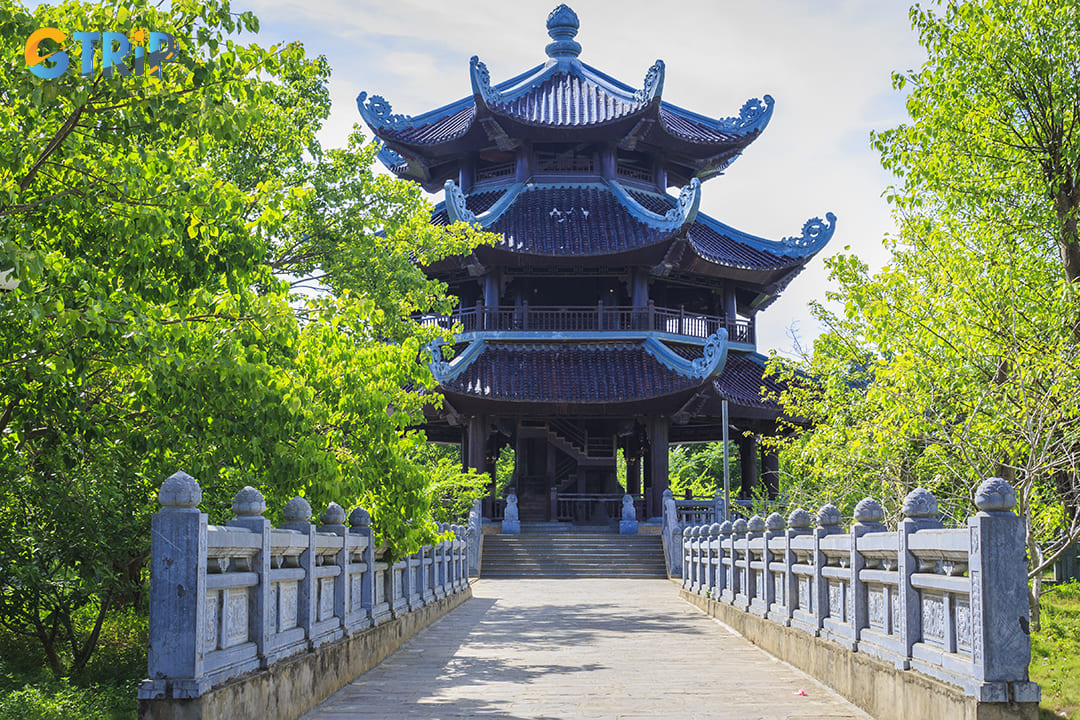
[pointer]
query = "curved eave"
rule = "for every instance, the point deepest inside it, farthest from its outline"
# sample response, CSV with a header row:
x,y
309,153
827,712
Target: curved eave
x,y
713,241
586,100
594,218
584,374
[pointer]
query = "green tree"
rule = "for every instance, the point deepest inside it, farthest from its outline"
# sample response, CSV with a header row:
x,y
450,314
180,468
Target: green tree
x,y
151,234
959,359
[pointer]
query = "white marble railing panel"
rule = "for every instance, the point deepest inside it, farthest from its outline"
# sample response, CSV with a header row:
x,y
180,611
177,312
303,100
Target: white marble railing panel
x,y
226,600
950,603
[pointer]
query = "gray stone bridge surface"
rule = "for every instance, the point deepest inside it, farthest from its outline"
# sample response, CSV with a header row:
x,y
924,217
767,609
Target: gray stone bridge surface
x,y
582,648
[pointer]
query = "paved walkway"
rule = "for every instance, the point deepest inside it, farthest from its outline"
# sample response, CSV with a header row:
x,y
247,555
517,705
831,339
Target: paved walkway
x,y
562,649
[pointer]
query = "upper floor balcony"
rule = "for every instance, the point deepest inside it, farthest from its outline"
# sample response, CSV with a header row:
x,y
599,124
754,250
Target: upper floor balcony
x,y
592,320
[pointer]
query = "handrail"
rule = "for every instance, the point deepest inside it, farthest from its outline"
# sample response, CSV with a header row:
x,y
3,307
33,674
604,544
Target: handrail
x,y
586,318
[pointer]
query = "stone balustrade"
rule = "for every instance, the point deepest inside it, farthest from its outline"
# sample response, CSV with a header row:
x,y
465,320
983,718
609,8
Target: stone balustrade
x,y
948,602
228,600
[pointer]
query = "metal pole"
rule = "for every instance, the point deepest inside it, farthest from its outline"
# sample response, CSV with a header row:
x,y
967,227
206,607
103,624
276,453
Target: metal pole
x,y
727,467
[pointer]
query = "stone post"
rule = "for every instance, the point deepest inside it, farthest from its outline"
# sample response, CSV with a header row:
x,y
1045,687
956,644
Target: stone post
x,y
447,561
755,527
364,590
333,521
177,592
461,577
248,506
474,537
672,531
741,599
510,524
828,521
774,528
628,525
297,516
727,594
719,507
799,522
687,555
715,570
1001,643
438,564
695,558
920,513
868,517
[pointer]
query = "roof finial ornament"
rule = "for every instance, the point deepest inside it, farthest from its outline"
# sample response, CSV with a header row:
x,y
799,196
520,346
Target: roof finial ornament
x,y
562,26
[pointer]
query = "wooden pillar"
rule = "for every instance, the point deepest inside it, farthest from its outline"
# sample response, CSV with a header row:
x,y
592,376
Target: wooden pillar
x,y
658,459
770,473
477,438
730,311
465,176
492,288
608,163
521,460
522,164
748,461
639,288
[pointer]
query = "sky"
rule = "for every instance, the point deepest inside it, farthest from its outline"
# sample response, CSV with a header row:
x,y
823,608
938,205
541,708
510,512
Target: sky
x,y
827,63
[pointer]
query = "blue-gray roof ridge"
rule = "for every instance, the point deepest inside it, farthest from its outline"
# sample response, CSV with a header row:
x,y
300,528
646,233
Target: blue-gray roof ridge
x,y
660,216
682,210
752,119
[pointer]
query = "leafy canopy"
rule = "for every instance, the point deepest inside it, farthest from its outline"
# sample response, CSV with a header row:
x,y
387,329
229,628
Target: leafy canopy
x,y
154,236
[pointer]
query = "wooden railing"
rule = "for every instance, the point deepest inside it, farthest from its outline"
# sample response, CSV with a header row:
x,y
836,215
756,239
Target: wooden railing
x,y
599,317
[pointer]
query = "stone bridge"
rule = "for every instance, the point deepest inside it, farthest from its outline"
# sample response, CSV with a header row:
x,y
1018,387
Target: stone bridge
x,y
761,618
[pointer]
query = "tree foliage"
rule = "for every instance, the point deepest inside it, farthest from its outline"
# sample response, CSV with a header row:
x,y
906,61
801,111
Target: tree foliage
x,y
153,236
959,359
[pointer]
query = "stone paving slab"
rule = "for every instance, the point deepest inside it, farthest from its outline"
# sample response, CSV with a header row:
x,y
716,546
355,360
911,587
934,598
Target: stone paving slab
x,y
588,648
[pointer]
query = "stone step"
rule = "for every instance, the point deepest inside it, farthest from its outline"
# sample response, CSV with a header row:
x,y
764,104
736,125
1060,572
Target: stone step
x,y
573,555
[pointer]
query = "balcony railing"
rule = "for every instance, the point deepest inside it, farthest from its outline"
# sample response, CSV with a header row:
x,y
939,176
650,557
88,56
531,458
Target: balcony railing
x,y
544,318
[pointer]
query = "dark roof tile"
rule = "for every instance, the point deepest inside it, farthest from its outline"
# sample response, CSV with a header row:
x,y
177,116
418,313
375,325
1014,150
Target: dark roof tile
x,y
567,100
742,381
448,127
568,373
572,221
723,249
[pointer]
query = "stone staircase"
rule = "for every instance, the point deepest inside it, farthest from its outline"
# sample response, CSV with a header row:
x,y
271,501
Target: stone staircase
x,y
572,555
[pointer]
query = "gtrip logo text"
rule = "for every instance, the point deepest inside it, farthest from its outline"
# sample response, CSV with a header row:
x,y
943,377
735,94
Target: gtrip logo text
x,y
139,55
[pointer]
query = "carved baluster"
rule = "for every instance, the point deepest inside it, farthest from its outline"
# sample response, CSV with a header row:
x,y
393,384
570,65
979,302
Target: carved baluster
x,y
738,555
774,528
687,555
828,521
177,592
297,516
799,522
333,521
920,513
727,593
755,528
249,505
362,590
1001,646
868,517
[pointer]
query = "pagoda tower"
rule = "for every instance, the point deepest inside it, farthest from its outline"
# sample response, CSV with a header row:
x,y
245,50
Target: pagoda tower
x,y
611,314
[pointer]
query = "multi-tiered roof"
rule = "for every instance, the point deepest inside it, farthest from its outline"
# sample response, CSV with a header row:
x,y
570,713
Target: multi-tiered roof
x,y
571,168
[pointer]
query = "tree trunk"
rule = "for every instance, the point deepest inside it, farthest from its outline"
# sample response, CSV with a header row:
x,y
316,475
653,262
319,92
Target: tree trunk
x,y
1035,558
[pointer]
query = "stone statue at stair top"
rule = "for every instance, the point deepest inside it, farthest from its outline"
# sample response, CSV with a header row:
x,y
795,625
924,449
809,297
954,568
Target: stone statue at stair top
x,y
628,525
510,523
